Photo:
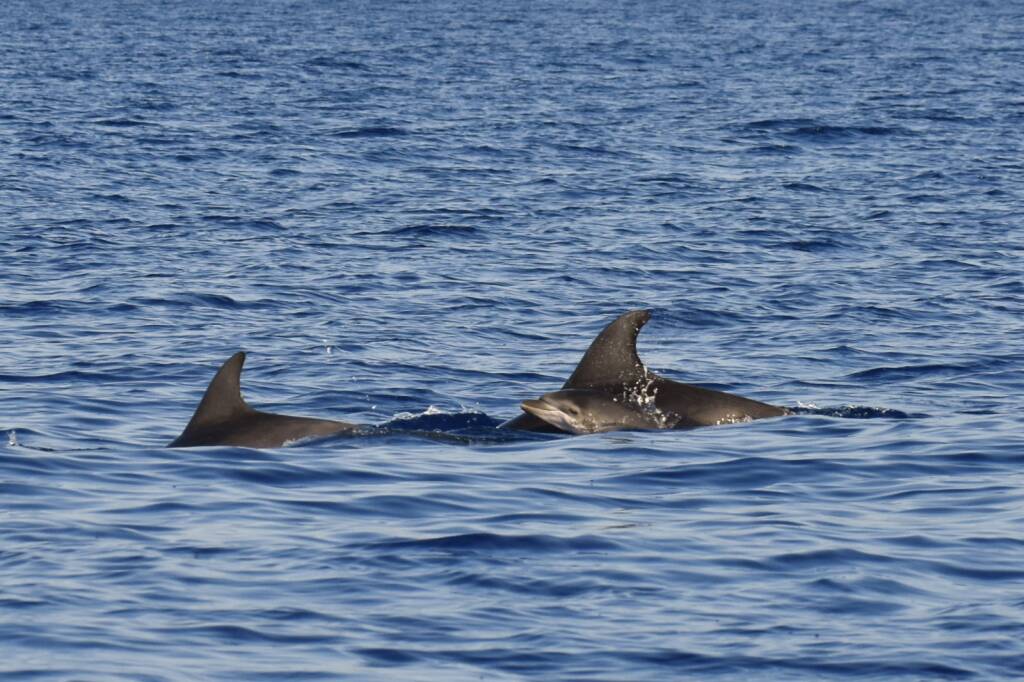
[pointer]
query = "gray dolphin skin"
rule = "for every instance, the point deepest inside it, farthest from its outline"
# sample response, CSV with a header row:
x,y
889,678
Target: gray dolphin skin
x,y
224,418
580,410
611,366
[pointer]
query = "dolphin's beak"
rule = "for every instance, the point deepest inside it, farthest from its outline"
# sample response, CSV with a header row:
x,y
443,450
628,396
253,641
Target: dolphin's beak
x,y
550,412
538,408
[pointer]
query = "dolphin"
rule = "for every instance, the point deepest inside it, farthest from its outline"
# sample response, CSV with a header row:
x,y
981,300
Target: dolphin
x,y
224,418
581,410
612,367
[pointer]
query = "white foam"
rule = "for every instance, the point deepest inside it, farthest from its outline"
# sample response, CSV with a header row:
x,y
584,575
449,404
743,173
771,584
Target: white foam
x,y
429,412
644,396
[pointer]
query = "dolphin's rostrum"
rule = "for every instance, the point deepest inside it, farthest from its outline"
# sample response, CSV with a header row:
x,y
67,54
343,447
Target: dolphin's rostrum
x,y
621,393
224,418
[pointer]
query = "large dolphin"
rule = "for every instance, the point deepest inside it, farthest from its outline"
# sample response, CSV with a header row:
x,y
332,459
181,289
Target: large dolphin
x,y
612,367
224,418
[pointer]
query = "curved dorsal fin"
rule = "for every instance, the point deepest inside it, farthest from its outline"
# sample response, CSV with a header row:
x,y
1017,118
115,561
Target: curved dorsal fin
x,y
612,359
223,397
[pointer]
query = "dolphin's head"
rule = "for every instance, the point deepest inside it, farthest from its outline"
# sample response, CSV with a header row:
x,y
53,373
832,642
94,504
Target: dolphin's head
x,y
588,411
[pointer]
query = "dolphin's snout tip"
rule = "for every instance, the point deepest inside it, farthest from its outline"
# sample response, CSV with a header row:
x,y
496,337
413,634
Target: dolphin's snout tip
x,y
533,406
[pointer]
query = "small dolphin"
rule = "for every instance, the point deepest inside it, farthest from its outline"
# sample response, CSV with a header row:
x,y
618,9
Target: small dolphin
x,y
223,418
579,410
612,367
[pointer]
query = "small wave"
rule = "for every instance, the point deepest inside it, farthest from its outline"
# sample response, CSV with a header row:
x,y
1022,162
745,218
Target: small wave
x,y
256,224
201,300
237,634
397,506
803,187
773,149
325,62
490,542
40,307
287,475
114,198
387,656
778,123
833,133
670,179
815,245
73,376
825,558
371,131
121,122
744,472
692,316
908,372
435,230
241,75
551,589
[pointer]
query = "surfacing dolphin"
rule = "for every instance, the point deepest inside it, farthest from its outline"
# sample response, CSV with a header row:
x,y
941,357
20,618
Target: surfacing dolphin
x,y
634,395
224,418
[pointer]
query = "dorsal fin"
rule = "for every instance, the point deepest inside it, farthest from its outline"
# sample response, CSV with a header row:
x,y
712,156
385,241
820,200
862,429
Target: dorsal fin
x,y
612,360
223,397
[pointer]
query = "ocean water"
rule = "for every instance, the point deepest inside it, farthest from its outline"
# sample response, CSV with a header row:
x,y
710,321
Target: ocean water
x,y
415,215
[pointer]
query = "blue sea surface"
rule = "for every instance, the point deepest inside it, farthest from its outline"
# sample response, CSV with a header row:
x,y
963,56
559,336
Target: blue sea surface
x,y
414,215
